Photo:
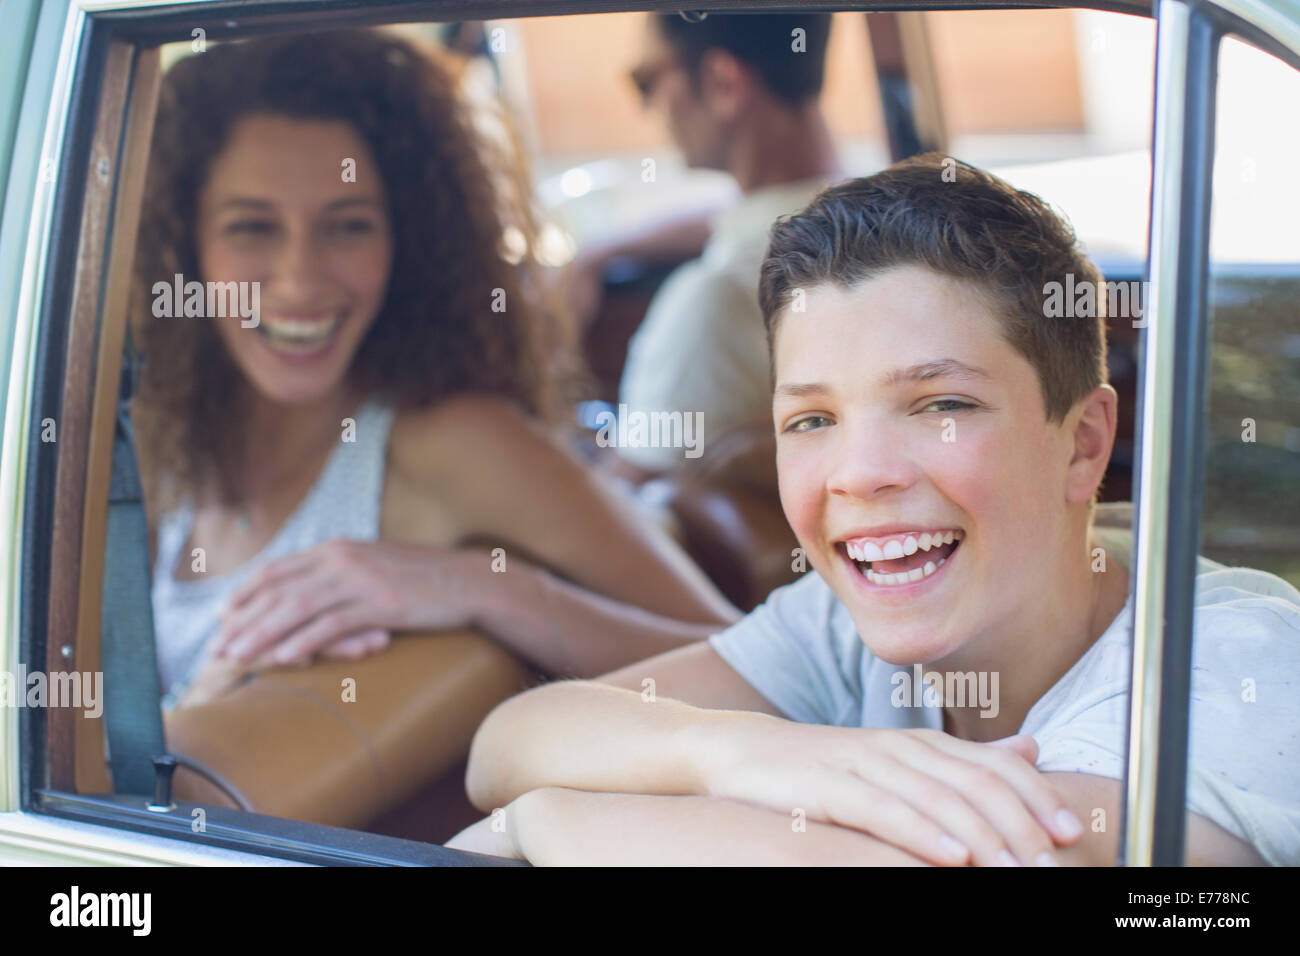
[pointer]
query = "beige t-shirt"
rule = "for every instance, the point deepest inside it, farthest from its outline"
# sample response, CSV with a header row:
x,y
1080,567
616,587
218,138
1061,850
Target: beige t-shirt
x,y
702,347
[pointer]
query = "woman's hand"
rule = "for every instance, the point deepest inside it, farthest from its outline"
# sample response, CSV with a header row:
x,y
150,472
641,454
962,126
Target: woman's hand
x,y
940,798
221,675
344,598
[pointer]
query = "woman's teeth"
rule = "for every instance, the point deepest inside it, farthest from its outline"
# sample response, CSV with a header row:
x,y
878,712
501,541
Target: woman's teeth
x,y
296,335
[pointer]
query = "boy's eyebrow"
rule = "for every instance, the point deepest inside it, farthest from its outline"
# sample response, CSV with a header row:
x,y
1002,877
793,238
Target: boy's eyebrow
x,y
941,368
801,390
920,372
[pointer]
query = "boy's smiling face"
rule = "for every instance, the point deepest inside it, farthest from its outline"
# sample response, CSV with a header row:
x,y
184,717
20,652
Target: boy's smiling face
x,y
899,407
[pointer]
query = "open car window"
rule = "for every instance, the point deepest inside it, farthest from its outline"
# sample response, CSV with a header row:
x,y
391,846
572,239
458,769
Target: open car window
x,y
293,767
1253,446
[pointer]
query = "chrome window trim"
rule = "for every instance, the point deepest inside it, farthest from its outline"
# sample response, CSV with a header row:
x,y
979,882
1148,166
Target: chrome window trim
x,y
18,402
33,838
1270,19
1172,400
1156,410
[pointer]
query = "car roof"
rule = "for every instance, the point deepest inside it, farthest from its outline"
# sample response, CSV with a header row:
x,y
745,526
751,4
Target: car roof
x,y
1273,25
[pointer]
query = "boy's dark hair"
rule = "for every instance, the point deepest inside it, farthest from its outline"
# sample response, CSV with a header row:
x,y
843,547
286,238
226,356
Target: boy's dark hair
x,y
763,42
963,222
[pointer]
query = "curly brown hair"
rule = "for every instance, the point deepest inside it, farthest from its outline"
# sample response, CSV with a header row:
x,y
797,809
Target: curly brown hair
x,y
459,206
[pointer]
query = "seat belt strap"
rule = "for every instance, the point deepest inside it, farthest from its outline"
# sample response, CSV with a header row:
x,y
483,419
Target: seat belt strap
x,y
132,692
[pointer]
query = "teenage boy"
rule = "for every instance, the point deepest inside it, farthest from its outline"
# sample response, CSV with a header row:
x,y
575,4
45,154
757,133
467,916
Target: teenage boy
x,y
940,444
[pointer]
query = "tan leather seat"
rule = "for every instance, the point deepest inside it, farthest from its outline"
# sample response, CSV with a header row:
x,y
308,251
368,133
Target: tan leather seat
x,y
739,537
295,747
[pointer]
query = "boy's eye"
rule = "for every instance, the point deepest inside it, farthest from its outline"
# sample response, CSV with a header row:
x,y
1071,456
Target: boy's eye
x,y
807,424
952,404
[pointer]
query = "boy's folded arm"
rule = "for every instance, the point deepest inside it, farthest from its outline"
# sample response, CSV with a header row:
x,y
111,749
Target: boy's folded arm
x,y
561,827
629,733
587,736
557,826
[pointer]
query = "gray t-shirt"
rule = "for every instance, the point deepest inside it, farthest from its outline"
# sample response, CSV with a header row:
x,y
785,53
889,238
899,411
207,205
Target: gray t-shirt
x,y
801,651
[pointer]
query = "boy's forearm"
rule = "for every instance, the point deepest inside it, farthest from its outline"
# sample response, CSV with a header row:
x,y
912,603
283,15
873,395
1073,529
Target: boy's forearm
x,y
589,736
559,827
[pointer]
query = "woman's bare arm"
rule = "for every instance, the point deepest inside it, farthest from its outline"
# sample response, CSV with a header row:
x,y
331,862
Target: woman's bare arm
x,y
575,581
570,631
585,584
504,479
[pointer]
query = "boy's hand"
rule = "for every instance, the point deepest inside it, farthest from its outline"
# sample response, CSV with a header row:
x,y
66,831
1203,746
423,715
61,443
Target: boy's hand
x,y
486,837
943,799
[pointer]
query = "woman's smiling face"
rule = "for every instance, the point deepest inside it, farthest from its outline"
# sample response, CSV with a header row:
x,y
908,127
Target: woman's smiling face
x,y
902,413
277,211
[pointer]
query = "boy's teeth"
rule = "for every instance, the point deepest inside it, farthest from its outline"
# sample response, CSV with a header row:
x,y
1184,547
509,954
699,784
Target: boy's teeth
x,y
905,577
901,546
901,551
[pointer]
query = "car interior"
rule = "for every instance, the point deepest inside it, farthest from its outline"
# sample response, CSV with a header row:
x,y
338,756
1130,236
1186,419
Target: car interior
x,y
1056,100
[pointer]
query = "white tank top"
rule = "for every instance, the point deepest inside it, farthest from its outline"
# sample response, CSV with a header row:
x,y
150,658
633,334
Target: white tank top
x,y
343,503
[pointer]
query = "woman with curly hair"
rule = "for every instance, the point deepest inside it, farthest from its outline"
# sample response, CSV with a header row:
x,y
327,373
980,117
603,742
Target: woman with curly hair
x,y
317,474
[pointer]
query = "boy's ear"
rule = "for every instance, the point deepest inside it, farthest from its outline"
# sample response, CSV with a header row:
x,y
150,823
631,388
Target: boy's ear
x,y
1093,421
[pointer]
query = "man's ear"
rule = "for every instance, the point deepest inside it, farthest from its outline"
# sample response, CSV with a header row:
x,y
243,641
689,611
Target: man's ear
x,y
726,84
1094,435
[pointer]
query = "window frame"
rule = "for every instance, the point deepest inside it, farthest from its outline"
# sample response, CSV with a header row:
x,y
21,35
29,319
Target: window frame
x,y
1172,402
101,109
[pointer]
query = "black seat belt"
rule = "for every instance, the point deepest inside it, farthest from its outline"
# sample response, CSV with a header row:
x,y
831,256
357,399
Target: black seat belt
x,y
132,692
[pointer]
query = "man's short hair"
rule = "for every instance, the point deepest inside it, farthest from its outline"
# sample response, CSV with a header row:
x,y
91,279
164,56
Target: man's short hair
x,y
763,42
959,221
